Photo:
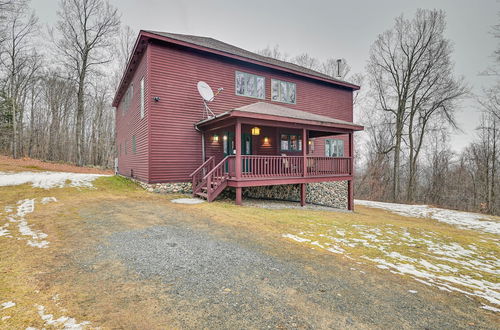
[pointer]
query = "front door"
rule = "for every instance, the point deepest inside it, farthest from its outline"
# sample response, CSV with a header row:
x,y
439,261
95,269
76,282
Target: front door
x,y
246,149
228,146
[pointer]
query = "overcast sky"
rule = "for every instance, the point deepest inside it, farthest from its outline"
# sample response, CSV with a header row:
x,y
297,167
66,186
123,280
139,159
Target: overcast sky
x,y
321,28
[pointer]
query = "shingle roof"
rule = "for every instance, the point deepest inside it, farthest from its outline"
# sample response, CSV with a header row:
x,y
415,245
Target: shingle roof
x,y
270,109
233,50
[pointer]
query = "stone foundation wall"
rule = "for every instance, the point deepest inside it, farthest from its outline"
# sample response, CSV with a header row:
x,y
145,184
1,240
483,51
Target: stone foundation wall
x,y
168,188
332,193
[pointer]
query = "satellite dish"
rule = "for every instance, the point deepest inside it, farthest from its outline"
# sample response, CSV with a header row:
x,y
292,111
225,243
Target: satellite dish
x,y
205,91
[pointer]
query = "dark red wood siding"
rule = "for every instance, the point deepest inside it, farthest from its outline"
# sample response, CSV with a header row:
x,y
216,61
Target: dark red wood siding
x,y
175,145
129,123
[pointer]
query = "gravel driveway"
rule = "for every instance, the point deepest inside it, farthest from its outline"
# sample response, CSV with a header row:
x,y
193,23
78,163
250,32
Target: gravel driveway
x,y
224,277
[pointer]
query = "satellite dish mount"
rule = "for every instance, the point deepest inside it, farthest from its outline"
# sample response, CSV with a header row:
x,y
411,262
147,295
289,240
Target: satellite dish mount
x,y
208,96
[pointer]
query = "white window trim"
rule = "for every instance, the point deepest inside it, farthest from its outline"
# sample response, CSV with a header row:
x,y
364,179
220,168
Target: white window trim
x,y
279,89
329,145
251,74
142,97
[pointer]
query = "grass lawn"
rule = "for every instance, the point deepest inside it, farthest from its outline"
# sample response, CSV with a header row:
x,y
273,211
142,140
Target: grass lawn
x,y
36,276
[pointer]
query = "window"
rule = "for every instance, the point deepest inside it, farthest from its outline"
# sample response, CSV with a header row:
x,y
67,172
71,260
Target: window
x,y
247,84
283,91
127,98
334,148
291,142
133,145
142,97
125,147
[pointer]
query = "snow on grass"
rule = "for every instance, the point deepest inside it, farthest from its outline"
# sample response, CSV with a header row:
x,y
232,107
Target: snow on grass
x,y
64,321
8,304
428,257
17,215
466,220
48,180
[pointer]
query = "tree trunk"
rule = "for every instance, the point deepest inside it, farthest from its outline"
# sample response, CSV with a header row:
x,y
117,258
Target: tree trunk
x,y
80,139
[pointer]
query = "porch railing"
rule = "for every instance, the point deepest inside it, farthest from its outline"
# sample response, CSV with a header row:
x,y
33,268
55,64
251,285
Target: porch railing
x,y
327,166
271,166
254,166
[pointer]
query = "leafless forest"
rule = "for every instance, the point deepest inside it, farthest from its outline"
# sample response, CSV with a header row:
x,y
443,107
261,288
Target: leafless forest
x,y
57,83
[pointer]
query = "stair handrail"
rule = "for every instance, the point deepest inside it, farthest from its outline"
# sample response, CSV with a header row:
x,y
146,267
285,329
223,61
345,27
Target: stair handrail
x,y
208,180
197,176
211,159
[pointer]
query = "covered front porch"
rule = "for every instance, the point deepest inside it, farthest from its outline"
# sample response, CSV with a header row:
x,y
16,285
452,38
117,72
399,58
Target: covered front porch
x,y
265,144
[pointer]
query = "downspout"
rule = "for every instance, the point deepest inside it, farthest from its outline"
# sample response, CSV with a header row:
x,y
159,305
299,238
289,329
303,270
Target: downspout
x,y
202,143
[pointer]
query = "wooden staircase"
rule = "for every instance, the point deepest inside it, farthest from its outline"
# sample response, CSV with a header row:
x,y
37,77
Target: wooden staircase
x,y
209,180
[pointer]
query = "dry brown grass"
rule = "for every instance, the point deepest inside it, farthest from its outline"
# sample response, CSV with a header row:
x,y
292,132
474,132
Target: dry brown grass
x,y
111,297
29,164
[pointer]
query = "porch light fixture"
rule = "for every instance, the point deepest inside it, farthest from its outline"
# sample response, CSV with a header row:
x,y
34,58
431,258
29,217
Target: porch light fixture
x,y
216,138
266,140
224,137
256,130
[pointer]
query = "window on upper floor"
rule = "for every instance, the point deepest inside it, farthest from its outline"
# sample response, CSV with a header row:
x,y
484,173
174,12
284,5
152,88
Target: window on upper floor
x,y
127,98
247,84
334,148
290,142
283,91
142,97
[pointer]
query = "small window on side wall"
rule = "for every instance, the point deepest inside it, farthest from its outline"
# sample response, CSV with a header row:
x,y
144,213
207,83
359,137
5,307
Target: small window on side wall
x,y
334,148
142,97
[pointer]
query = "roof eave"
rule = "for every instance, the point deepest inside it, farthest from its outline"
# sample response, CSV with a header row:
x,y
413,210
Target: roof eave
x,y
245,59
150,35
249,115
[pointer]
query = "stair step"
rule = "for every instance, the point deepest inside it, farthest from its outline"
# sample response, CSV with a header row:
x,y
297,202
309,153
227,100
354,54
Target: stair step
x,y
204,195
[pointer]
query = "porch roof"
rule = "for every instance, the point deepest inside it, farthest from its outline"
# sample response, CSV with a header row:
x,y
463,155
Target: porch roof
x,y
274,112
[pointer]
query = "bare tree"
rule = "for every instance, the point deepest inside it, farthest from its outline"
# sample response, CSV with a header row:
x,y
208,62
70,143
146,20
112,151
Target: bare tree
x,y
274,52
411,73
87,29
20,63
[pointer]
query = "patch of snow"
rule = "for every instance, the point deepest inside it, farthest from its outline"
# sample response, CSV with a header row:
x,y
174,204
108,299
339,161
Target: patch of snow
x,y
465,220
189,201
8,304
47,200
3,230
432,260
64,321
24,207
412,291
491,308
47,180
6,317
296,238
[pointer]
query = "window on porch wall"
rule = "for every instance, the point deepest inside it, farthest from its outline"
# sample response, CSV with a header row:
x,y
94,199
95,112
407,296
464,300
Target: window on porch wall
x,y
334,148
290,142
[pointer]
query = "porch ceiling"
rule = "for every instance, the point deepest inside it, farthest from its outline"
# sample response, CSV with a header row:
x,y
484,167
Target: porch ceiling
x,y
275,115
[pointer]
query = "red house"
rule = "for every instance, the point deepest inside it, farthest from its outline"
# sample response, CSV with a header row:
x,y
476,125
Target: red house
x,y
276,130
